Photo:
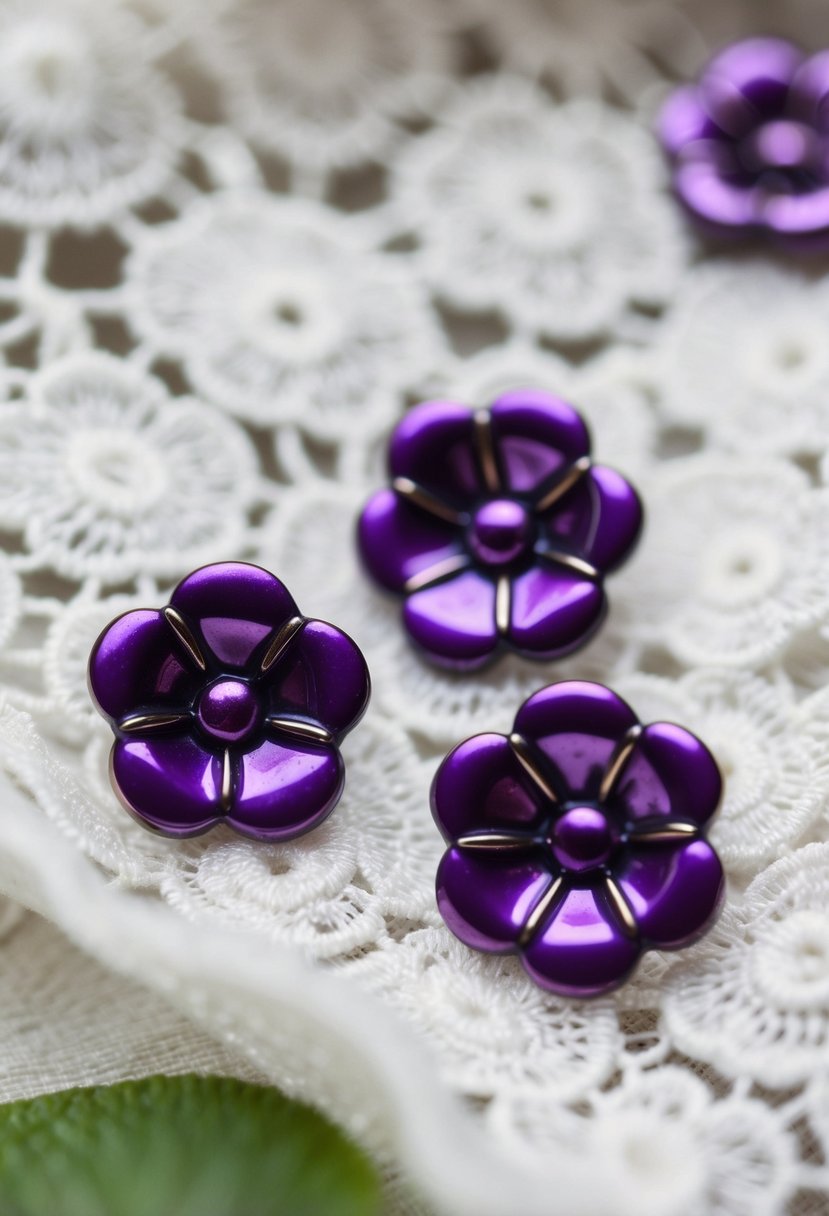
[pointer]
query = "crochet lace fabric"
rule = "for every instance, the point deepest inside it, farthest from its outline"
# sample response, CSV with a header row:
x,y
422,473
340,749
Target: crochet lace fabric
x,y
236,241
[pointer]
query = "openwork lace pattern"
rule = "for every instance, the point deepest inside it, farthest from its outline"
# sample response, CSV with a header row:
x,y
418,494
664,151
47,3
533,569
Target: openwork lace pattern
x,y
237,241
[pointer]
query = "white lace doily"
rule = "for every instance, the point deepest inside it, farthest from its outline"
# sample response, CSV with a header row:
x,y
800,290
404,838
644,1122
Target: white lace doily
x,y
237,240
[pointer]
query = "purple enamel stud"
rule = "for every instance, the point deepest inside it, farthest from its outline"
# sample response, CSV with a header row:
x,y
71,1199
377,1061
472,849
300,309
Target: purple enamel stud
x,y
498,529
577,842
749,143
228,706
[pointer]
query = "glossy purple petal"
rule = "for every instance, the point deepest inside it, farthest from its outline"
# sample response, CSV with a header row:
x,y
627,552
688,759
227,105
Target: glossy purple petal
x,y
809,95
617,519
454,621
702,188
576,726
284,791
684,120
480,786
671,774
599,520
323,677
581,951
138,663
485,901
233,608
398,541
674,891
536,435
490,470
170,784
554,610
433,445
610,891
798,215
747,81
750,144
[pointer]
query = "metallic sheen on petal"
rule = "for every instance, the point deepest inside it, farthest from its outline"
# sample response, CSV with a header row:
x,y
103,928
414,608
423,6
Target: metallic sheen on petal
x,y
582,950
284,791
546,858
455,620
486,901
228,706
233,607
749,143
674,891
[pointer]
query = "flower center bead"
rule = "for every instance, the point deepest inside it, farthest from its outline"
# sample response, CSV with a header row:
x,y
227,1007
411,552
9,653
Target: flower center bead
x,y
582,838
783,145
501,531
228,710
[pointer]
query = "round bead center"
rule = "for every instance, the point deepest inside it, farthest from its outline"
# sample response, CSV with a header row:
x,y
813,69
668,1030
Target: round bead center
x,y
228,710
501,531
782,144
582,838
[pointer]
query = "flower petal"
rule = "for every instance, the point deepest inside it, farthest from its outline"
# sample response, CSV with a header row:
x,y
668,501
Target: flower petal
x,y
455,620
599,520
809,95
675,892
536,435
671,773
233,607
323,677
138,663
554,610
170,784
398,541
798,214
749,80
581,950
481,786
702,188
576,725
617,519
283,791
434,445
486,901
684,120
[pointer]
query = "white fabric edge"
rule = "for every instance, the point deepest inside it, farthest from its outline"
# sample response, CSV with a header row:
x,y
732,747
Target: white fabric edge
x,y
216,977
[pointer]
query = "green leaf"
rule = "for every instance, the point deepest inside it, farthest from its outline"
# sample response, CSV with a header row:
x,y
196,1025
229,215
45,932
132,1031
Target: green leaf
x,y
178,1146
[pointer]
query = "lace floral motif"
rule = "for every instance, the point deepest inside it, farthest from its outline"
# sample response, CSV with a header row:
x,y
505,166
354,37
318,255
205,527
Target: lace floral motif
x,y
736,560
744,357
104,475
521,199
663,1138
280,314
582,48
761,979
322,81
88,127
497,1031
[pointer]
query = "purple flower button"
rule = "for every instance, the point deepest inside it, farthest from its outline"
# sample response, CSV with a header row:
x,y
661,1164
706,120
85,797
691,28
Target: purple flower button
x,y
228,707
498,529
577,842
750,141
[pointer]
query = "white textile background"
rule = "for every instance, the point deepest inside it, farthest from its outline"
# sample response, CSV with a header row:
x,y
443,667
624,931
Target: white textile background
x,y
236,241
